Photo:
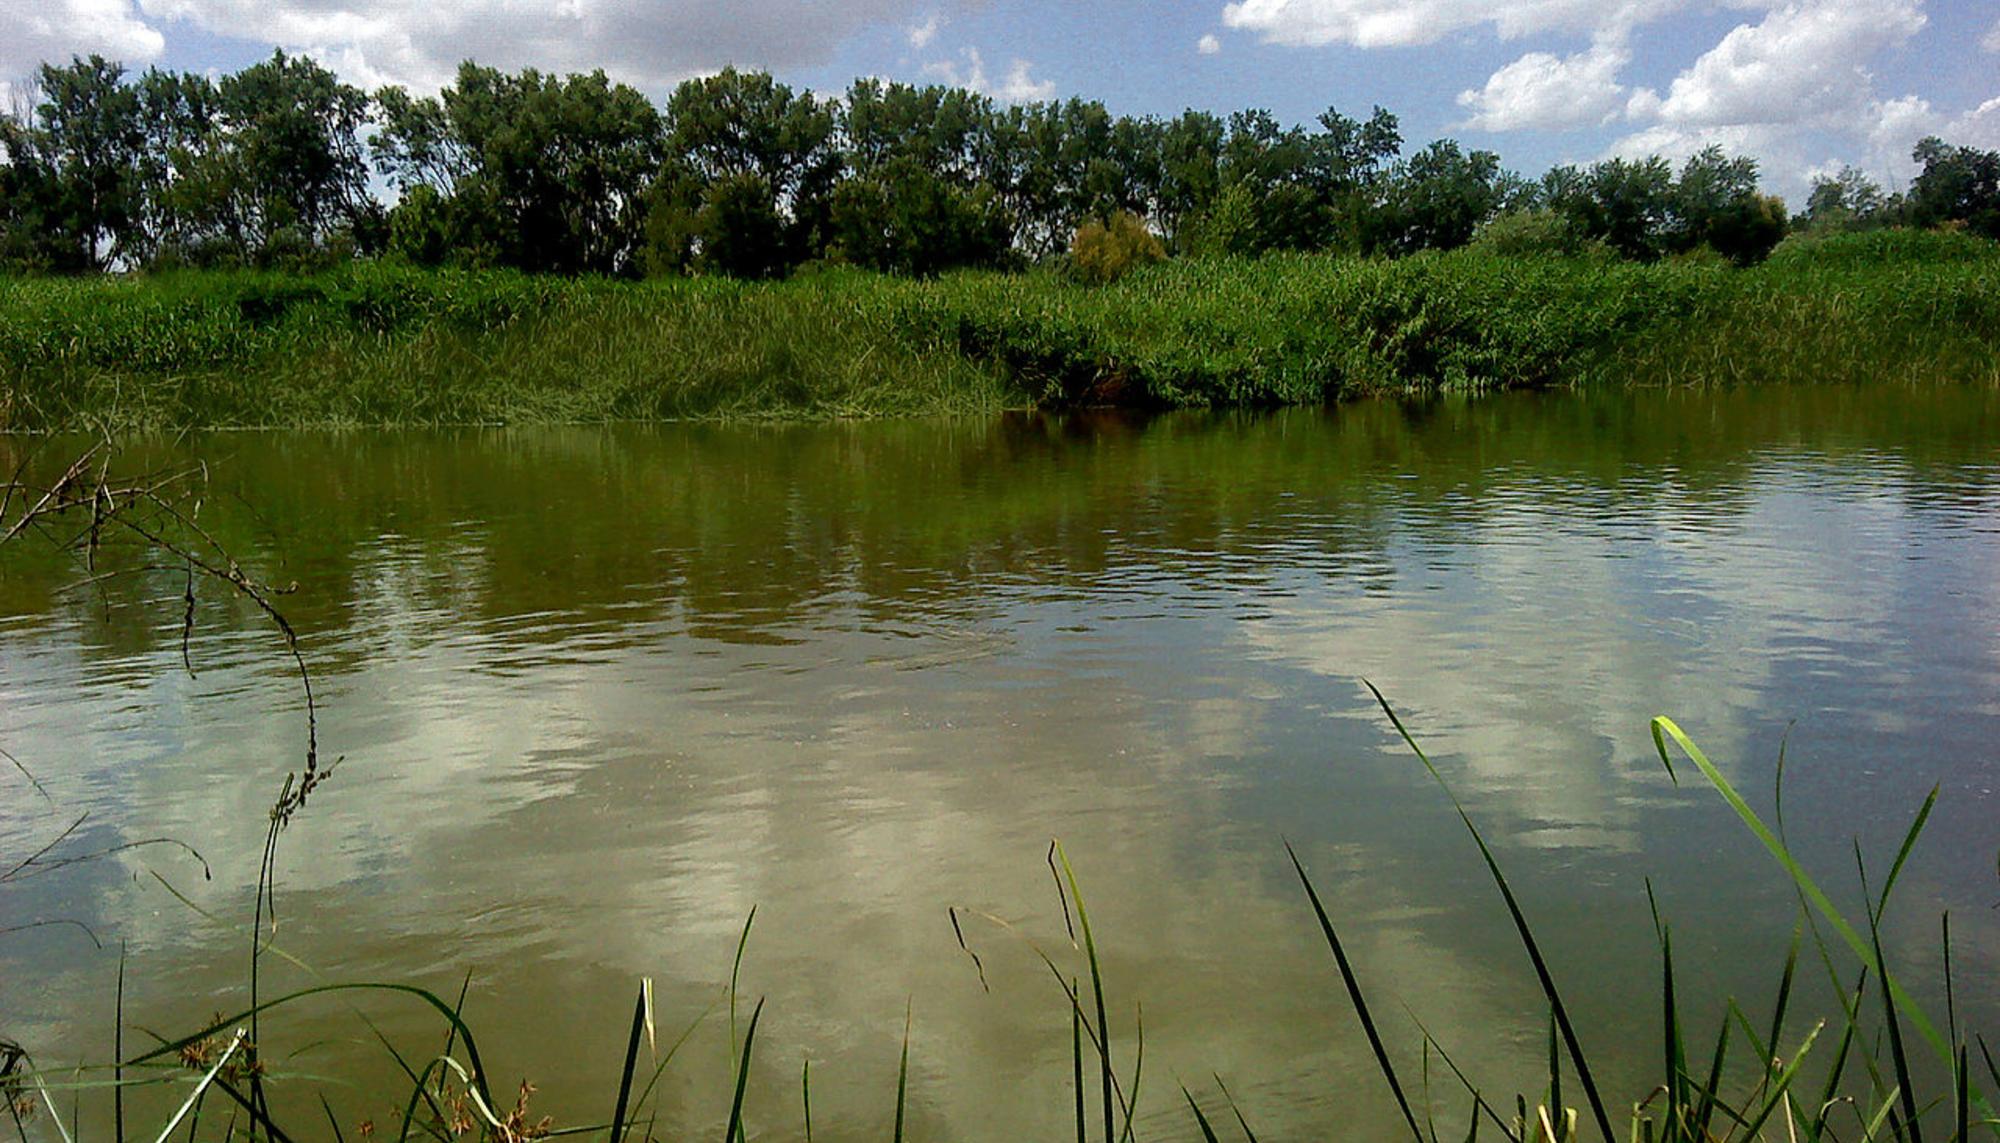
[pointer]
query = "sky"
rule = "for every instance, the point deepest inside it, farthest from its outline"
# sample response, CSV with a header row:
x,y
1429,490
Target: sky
x,y
1804,86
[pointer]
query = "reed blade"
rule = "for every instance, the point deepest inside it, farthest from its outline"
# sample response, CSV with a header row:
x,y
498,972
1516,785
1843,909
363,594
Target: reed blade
x,y
1207,1131
1521,926
1665,728
735,1129
1249,1135
1076,1059
639,1020
1096,989
1356,996
1904,1080
1903,853
903,1074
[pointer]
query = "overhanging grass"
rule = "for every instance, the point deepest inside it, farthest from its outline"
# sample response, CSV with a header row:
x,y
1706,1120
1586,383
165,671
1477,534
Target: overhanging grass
x,y
382,344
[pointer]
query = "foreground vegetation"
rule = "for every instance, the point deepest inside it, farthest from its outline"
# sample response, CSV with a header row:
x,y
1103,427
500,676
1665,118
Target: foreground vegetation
x,y
1874,1065
377,344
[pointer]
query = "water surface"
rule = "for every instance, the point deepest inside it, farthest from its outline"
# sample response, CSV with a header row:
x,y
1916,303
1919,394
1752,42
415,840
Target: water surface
x,y
600,691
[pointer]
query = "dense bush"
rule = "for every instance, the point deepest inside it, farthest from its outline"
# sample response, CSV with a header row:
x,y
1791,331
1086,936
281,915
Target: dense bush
x,y
1106,250
1536,233
1884,247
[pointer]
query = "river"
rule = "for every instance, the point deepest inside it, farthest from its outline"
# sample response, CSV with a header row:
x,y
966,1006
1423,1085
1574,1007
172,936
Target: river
x,y
597,692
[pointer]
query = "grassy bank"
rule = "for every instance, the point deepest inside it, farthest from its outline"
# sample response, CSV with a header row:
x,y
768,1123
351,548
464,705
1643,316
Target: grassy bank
x,y
382,344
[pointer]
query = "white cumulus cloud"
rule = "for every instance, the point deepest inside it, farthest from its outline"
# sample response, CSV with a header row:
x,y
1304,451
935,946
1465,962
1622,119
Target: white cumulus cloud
x,y
1018,85
1979,127
921,35
652,43
1677,144
1771,88
1397,23
1804,62
1542,91
1208,45
1991,41
34,32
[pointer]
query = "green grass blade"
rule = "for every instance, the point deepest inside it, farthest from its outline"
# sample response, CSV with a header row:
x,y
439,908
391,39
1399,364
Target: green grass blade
x,y
1355,995
639,1019
1555,1071
660,1068
478,1070
1962,1117
1905,1082
1780,1089
1883,1113
1950,992
1138,1072
735,1129
1096,989
903,1074
1673,1043
735,972
259,1116
420,1093
1665,728
1903,853
332,1122
1478,1099
458,1006
1994,1073
1850,1028
1076,1058
1784,1000
1249,1135
1705,1108
118,1053
1207,1131
1521,928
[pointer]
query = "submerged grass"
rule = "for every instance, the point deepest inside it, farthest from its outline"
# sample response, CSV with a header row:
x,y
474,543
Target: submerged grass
x,y
377,344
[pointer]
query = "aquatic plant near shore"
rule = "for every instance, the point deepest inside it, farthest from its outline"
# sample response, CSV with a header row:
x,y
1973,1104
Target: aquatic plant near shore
x,y
1688,1105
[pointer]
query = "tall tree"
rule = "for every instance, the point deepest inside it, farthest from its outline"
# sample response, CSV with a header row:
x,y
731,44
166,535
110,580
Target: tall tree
x,y
1621,202
917,197
197,206
1715,203
1190,171
1846,201
295,131
1958,185
1437,199
84,148
728,131
539,172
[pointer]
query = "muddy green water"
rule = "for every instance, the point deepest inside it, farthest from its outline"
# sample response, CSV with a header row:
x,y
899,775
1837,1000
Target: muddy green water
x,y
601,691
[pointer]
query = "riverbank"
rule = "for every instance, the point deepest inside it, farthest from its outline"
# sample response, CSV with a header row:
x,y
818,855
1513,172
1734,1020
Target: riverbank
x,y
377,344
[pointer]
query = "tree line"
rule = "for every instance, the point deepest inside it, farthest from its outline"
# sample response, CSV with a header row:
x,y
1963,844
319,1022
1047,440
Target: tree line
x,y
282,164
